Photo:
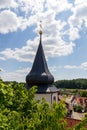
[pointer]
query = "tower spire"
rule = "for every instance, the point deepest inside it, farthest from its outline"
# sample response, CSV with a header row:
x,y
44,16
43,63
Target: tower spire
x,y
40,31
40,74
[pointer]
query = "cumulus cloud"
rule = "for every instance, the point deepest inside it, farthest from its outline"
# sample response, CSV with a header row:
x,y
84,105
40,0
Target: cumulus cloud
x,y
54,29
77,19
18,75
30,6
20,14
23,54
84,65
8,4
71,67
53,43
73,33
36,10
54,68
81,66
8,21
33,12
77,2
58,6
36,7
26,53
2,58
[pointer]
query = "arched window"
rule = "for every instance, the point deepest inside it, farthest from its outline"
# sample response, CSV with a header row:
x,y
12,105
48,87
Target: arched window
x,y
54,98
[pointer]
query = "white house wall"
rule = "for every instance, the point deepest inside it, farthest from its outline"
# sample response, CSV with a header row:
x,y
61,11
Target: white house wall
x,y
49,97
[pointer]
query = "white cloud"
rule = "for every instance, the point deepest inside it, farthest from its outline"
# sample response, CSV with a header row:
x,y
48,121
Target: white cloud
x,y
58,6
24,54
46,10
18,75
33,11
32,6
52,48
77,2
80,11
2,58
20,14
74,33
23,70
35,7
77,19
8,4
9,21
53,43
84,65
71,67
53,68
81,66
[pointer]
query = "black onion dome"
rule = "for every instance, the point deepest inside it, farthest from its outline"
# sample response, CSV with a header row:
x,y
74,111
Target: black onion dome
x,y
39,73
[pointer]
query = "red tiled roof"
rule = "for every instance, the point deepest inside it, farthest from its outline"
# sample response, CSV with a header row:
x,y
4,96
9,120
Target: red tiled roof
x,y
72,122
82,100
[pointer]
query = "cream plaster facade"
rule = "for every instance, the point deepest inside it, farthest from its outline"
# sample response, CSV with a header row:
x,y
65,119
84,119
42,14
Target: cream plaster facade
x,y
49,97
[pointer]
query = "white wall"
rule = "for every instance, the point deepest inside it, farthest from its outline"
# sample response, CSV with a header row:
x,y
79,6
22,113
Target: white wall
x,y
49,97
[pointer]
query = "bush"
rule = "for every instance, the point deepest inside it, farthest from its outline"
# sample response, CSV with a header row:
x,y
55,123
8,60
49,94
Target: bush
x,y
78,108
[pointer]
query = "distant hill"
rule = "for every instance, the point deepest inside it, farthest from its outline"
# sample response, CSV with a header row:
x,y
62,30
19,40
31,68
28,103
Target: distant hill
x,y
72,84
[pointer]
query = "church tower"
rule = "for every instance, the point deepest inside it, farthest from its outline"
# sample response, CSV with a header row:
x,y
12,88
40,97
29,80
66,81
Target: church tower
x,y
40,76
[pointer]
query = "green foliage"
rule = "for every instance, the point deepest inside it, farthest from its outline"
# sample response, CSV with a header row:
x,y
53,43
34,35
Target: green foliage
x,y
78,108
20,111
83,93
72,84
16,105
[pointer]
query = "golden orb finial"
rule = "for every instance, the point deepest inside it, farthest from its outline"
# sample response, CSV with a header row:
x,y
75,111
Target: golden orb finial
x,y
40,31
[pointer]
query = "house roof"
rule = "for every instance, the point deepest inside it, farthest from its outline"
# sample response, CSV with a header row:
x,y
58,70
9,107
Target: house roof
x,y
81,100
72,122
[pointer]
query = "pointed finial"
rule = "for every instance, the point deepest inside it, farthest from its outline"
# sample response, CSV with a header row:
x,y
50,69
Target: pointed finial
x,y
40,31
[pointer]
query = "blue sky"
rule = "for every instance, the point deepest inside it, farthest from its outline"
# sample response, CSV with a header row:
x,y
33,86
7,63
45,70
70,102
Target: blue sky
x,y
64,40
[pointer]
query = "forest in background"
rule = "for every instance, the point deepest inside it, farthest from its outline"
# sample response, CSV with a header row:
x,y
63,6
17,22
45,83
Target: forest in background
x,y
69,84
72,84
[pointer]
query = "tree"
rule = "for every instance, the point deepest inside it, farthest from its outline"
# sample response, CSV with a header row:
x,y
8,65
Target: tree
x,y
72,84
83,93
78,108
20,111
